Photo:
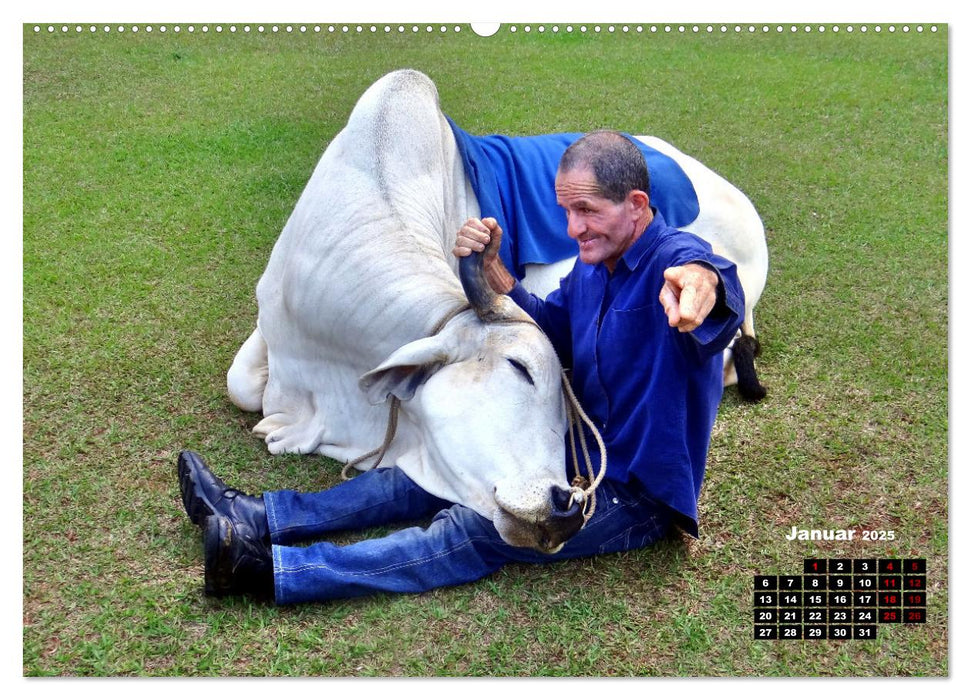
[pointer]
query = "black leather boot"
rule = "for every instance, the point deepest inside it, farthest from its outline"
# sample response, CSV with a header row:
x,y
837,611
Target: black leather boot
x,y
204,494
237,561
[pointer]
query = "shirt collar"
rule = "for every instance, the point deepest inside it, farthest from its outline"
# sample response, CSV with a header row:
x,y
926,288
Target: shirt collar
x,y
643,245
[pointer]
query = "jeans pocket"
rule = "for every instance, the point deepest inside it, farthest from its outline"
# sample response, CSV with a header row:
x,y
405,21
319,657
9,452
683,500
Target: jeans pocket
x,y
636,536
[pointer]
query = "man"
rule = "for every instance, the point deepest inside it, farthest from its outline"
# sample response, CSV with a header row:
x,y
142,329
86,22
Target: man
x,y
641,321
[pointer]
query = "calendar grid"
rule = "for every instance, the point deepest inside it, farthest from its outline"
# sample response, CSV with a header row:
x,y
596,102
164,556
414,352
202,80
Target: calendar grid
x,y
840,599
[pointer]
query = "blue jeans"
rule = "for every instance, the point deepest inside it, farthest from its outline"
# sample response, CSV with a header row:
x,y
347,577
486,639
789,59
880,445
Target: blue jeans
x,y
458,546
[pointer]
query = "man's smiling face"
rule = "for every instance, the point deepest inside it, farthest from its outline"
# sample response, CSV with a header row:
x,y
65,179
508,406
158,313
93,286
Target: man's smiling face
x,y
603,229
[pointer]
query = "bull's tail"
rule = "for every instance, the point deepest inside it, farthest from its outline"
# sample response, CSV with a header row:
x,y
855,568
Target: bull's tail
x,y
744,351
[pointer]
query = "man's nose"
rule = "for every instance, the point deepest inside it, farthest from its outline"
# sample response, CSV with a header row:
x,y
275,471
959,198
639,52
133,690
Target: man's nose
x,y
575,226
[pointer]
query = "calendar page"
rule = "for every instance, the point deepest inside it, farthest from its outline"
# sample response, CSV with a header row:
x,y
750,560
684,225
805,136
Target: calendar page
x,y
239,242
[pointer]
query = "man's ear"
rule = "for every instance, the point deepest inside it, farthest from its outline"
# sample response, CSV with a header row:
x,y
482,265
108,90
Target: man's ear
x,y
639,202
406,369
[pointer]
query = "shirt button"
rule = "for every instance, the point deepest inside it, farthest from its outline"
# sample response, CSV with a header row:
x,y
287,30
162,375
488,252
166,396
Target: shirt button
x,y
615,501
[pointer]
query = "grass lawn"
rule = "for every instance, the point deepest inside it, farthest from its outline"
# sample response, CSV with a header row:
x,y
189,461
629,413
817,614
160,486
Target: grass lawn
x,y
159,169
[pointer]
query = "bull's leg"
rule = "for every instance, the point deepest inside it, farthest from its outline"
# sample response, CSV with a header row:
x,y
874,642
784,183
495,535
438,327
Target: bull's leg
x,y
312,404
300,432
295,429
246,379
729,378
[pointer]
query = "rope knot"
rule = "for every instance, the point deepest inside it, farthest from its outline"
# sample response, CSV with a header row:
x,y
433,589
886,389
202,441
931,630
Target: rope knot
x,y
578,493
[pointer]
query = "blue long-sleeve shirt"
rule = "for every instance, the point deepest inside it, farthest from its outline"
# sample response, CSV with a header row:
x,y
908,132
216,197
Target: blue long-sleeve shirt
x,y
652,391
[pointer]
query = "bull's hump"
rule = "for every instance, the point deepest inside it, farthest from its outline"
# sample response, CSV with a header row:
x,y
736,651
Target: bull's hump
x,y
396,124
393,150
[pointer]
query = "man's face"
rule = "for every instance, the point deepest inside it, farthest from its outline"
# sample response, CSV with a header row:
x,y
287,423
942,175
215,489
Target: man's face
x,y
603,229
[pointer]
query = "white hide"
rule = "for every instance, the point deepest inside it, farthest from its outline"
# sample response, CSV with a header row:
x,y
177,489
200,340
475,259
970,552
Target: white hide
x,y
357,282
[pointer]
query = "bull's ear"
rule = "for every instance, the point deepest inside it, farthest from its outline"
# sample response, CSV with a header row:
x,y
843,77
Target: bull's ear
x,y
405,370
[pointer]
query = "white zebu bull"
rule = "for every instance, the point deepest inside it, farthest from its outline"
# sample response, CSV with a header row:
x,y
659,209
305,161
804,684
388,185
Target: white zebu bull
x,y
350,305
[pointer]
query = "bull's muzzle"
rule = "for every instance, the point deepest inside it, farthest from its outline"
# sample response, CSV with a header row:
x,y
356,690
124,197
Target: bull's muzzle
x,y
547,534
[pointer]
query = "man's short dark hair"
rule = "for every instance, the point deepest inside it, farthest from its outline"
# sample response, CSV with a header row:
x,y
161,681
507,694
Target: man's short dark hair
x,y
616,163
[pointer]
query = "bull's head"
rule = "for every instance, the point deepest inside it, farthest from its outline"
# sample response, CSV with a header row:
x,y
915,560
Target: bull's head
x,y
485,395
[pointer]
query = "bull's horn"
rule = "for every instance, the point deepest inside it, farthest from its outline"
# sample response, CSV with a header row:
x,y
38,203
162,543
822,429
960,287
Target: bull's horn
x,y
481,296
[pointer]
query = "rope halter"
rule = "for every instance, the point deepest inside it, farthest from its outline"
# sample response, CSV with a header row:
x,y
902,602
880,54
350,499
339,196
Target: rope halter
x,y
583,488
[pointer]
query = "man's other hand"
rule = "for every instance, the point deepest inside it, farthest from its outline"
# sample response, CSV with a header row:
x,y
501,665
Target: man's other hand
x,y
688,295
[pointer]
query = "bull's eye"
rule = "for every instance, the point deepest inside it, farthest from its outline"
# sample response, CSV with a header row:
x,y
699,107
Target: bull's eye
x,y
521,368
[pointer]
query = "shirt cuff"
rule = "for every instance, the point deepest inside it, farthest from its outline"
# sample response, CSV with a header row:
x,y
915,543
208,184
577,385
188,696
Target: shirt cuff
x,y
726,309
519,295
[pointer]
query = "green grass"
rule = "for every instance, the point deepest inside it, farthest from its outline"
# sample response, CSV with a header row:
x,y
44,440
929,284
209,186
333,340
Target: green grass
x,y
158,171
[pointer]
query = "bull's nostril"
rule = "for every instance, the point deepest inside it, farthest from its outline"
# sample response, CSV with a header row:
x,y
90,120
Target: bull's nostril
x,y
561,498
566,517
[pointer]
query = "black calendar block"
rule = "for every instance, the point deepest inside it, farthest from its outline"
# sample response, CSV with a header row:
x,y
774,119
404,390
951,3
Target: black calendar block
x,y
913,599
865,599
865,616
790,583
814,600
840,583
915,615
840,600
790,616
840,566
814,616
766,583
865,582
840,616
890,566
766,599
864,632
814,632
914,583
790,599
889,599
915,566
889,615
864,566
766,632
840,632
790,631
888,583
765,616
814,566
814,583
